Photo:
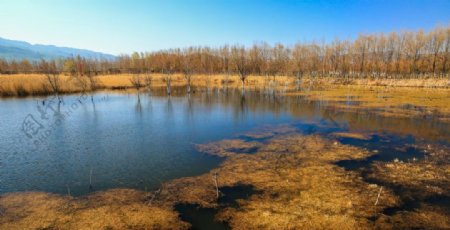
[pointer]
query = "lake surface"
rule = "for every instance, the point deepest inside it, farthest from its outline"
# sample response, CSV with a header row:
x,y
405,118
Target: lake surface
x,y
120,139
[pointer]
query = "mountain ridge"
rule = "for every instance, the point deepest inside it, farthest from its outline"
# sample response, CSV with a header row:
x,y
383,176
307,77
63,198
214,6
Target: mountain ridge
x,y
18,50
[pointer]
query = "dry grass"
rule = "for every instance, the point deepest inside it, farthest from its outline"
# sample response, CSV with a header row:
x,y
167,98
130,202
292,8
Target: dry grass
x,y
426,217
387,101
421,83
112,209
360,136
418,180
227,148
299,184
34,84
299,187
427,177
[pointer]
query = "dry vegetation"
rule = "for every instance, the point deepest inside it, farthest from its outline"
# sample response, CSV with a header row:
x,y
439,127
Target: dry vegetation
x,y
360,136
112,209
419,181
299,186
370,56
386,101
37,84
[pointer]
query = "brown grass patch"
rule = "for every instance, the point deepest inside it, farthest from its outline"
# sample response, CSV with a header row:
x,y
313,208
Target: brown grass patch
x,y
32,84
386,101
112,209
360,136
418,180
299,187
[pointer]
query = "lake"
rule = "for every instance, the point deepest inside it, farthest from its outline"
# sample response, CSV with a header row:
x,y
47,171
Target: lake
x,y
122,140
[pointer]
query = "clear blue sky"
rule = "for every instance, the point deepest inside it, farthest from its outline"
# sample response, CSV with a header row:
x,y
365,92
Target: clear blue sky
x,y
116,27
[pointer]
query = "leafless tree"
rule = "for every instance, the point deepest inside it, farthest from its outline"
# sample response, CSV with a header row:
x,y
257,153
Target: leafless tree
x,y
240,59
404,54
136,81
188,68
54,81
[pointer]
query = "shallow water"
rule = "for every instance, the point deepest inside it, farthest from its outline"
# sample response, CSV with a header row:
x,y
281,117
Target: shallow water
x,y
204,218
125,140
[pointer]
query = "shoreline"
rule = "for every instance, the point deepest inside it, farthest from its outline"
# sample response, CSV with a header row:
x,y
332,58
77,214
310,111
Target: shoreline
x,y
25,85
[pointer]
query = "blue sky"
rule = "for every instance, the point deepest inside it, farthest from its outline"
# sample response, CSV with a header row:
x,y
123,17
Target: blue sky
x,y
120,26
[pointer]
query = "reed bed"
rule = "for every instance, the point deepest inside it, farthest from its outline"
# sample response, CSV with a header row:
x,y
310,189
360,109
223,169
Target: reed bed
x,y
20,85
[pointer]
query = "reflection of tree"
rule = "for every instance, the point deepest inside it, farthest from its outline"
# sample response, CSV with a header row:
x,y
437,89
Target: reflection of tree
x,y
150,105
138,106
240,107
94,108
169,108
190,108
342,118
327,114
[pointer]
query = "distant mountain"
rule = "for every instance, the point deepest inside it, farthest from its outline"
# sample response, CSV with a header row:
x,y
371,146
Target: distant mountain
x,y
18,50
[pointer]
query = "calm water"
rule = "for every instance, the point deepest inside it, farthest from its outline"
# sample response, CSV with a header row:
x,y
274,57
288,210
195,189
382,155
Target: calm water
x,y
122,140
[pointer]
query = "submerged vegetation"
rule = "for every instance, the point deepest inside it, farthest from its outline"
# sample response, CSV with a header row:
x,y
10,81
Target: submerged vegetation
x,y
296,184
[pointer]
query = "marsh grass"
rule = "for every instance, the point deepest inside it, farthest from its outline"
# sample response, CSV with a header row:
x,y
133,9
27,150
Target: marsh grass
x,y
386,101
112,209
32,84
298,182
424,182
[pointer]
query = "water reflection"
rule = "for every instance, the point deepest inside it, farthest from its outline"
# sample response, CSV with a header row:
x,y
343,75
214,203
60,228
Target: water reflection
x,y
139,140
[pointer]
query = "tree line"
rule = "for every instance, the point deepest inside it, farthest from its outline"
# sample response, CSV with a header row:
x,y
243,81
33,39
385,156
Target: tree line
x,y
395,55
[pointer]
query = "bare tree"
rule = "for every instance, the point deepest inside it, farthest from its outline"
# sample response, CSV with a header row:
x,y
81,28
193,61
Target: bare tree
x,y
360,46
136,81
405,54
446,52
279,58
54,80
188,68
168,67
225,63
148,81
240,59
414,45
94,83
52,77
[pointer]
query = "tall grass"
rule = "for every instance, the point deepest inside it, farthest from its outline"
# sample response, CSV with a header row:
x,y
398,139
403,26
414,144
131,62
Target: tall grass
x,y
21,85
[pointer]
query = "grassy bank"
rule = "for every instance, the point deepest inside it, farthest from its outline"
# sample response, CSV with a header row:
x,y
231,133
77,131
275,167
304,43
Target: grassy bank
x,y
37,84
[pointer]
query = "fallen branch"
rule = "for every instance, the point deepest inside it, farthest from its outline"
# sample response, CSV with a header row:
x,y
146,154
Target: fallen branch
x,y
215,183
156,193
378,197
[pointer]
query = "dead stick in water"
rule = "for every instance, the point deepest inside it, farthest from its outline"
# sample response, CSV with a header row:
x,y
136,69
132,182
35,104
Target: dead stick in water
x,y
68,190
2,211
378,197
90,179
215,183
